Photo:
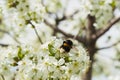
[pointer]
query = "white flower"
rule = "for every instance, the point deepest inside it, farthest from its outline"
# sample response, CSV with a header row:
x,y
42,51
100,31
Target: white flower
x,y
24,63
61,61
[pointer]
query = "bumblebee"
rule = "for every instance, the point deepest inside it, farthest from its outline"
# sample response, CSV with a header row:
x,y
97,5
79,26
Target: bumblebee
x,y
66,46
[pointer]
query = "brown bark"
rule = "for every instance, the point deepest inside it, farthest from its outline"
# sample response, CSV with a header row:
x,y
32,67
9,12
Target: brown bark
x,y
90,45
91,52
91,38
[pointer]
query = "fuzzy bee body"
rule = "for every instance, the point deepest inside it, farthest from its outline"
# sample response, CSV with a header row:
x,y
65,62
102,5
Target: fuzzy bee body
x,y
66,46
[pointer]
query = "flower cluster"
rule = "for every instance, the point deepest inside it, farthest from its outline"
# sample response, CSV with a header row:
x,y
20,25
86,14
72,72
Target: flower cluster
x,y
44,63
16,15
22,11
103,11
52,5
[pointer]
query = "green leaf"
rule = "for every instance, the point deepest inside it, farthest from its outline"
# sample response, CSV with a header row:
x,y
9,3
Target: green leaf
x,y
13,4
101,2
20,55
113,4
14,64
58,4
51,50
15,59
66,59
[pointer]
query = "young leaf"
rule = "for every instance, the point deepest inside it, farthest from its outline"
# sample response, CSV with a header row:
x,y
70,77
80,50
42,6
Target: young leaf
x,y
20,55
51,50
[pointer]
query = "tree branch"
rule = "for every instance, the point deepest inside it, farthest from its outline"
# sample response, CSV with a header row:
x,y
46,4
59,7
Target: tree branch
x,y
65,17
4,45
110,24
109,46
90,29
36,31
3,31
58,20
80,39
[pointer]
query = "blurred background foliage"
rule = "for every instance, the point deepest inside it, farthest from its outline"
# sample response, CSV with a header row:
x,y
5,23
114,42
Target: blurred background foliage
x,y
19,20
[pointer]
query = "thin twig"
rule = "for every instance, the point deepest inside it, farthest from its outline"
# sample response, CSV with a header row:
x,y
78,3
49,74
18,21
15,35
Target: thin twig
x,y
110,24
65,17
3,31
4,45
74,13
36,32
109,46
2,77
14,38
